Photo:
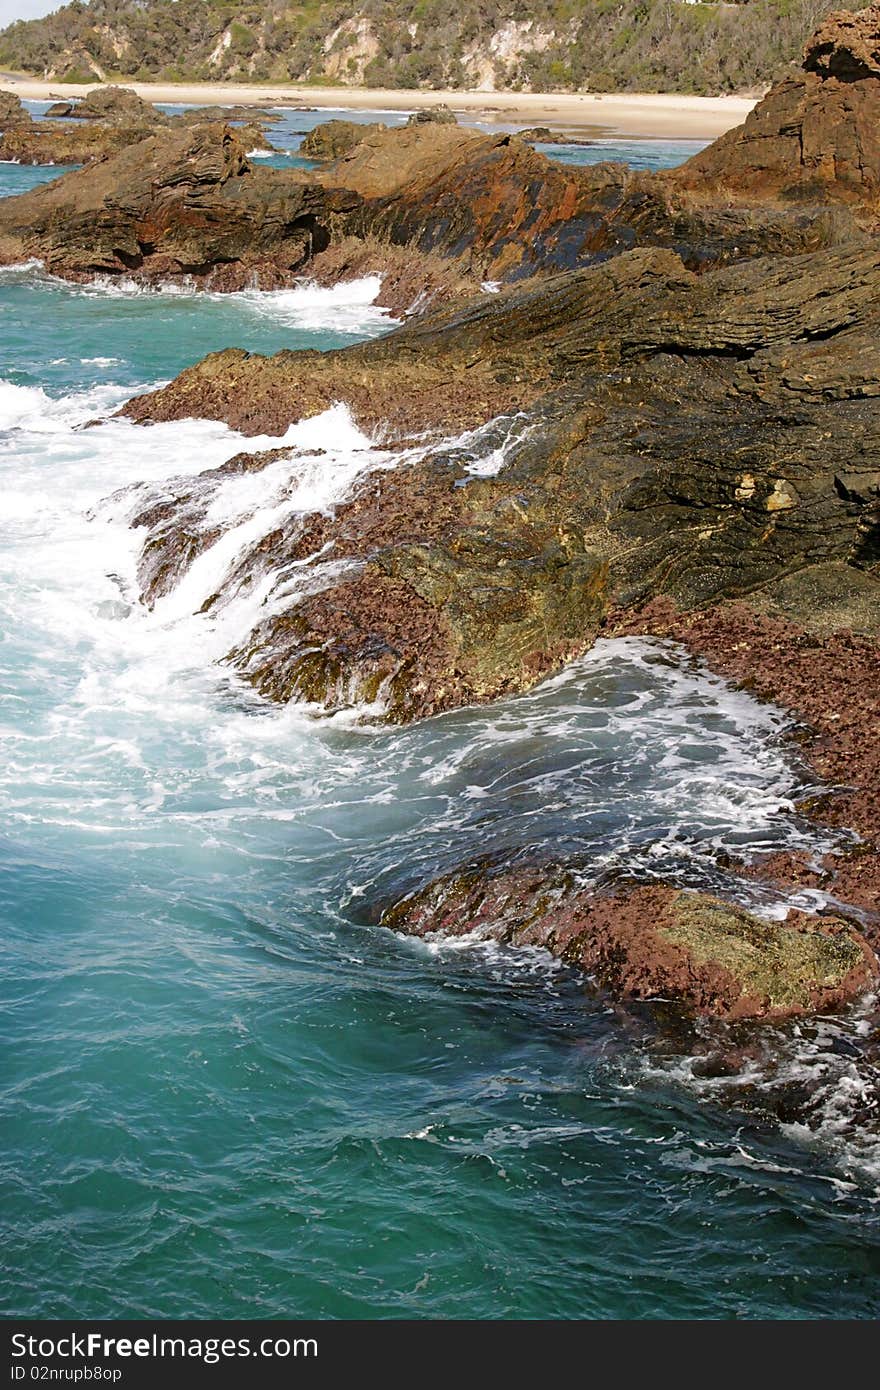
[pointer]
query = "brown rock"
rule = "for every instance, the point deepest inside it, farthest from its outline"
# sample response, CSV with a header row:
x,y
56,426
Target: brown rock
x,y
116,103
816,135
11,110
333,139
846,45
183,201
653,942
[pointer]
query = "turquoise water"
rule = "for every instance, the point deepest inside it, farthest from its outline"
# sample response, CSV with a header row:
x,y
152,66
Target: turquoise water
x,y
638,154
224,1092
18,178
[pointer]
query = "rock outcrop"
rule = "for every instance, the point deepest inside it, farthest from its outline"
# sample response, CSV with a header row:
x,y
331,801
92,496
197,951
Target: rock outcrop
x,y
490,205
694,436
674,400
815,136
107,122
332,139
653,941
185,202
11,110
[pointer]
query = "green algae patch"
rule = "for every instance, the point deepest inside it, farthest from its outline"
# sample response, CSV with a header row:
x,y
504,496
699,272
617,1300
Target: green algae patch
x,y
774,968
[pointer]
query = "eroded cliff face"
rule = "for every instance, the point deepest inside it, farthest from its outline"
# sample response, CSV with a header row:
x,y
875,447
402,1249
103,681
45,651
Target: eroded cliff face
x,y
816,134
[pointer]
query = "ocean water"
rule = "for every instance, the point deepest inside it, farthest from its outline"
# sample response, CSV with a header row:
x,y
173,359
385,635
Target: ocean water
x,y
224,1092
286,136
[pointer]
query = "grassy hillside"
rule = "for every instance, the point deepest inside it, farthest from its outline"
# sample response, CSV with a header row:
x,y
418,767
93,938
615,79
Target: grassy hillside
x,y
597,45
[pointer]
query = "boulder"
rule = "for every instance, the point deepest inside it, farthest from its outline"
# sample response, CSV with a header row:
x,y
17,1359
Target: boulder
x,y
115,103
335,138
434,115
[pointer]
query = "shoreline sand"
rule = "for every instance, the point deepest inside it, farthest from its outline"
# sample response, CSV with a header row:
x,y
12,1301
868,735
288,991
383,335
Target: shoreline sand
x,y
637,115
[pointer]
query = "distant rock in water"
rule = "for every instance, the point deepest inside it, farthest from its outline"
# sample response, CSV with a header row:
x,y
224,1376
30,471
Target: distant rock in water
x,y
114,103
653,941
815,134
332,139
434,115
543,135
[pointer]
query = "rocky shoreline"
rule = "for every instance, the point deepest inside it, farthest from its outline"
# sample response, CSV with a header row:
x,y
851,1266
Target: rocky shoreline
x,y
666,422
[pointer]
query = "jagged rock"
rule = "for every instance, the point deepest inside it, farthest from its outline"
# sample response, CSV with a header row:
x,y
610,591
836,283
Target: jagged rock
x,y
846,45
335,138
660,453
490,204
183,201
653,942
434,115
76,142
11,110
492,200
816,135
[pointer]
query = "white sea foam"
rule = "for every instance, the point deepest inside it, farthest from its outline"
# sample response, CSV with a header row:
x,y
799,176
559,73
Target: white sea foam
x,y
833,1078
348,307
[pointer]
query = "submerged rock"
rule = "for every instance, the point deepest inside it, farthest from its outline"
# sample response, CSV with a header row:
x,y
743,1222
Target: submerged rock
x,y
653,942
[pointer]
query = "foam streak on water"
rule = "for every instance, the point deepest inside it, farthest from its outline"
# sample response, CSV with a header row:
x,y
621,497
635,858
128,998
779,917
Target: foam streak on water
x,y
225,1093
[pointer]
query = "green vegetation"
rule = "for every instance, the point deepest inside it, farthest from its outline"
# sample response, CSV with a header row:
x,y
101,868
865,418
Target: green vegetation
x,y
579,45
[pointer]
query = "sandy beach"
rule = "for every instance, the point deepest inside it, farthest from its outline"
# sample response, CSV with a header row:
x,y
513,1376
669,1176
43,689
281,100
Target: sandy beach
x,y
629,114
